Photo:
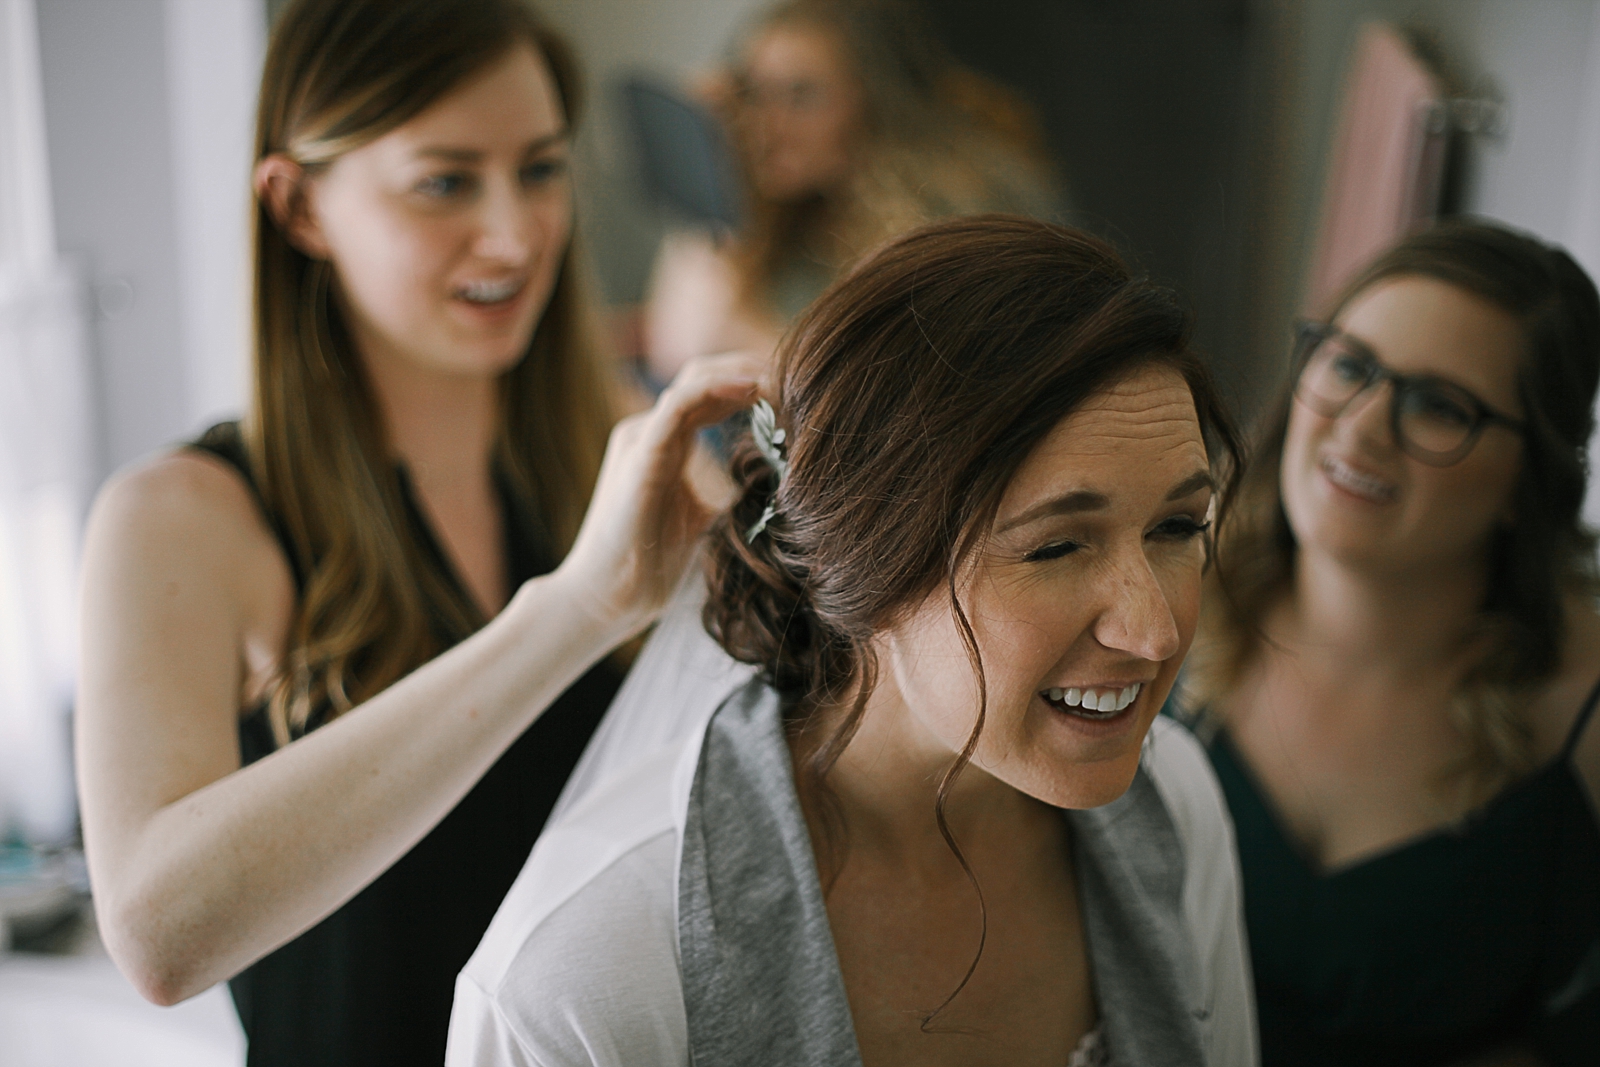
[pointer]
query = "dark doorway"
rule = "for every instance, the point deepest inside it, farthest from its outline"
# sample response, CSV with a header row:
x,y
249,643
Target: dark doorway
x,y
1145,105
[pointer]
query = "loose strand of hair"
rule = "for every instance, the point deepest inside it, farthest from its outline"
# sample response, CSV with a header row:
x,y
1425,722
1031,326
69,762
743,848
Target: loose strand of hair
x,y
947,783
822,760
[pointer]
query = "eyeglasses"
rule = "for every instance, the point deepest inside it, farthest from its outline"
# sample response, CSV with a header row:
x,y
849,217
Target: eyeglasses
x,y
1433,420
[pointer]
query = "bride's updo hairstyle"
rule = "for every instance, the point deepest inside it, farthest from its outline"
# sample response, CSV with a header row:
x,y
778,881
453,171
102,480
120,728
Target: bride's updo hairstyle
x,y
910,392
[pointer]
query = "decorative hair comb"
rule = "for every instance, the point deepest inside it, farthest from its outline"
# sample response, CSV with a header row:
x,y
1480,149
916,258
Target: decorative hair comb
x,y
769,440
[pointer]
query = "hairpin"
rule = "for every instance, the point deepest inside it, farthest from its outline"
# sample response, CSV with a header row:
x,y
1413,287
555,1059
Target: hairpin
x,y
769,441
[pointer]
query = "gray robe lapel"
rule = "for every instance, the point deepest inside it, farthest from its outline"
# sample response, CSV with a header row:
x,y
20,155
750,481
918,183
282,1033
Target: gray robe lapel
x,y
1129,863
761,981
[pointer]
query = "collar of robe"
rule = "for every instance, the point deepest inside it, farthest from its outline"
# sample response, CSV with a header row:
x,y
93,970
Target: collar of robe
x,y
761,979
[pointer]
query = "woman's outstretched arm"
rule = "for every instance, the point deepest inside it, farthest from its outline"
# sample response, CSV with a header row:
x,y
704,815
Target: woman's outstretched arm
x,y
200,867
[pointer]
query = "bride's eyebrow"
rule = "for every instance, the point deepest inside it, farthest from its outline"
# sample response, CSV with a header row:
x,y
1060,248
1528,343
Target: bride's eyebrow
x,y
1071,503
1197,481
1081,500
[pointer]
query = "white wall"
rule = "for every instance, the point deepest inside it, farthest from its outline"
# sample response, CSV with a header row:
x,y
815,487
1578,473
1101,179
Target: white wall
x,y
105,93
46,457
27,228
214,52
1583,207
1582,223
1537,55
124,156
149,105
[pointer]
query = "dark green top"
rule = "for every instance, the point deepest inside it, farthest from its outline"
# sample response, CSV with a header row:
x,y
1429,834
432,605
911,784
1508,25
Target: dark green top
x,y
1442,948
373,982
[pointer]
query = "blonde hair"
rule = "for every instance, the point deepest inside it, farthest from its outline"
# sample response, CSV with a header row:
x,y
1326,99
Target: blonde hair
x,y
373,603
940,140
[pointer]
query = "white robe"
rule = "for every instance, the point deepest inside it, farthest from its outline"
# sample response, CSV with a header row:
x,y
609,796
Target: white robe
x,y
672,908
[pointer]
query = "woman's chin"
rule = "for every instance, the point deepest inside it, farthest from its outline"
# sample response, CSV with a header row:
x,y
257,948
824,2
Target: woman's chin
x,y
1090,785
1076,780
489,357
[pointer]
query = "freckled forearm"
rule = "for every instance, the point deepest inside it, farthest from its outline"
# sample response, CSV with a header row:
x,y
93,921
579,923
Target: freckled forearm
x,y
215,879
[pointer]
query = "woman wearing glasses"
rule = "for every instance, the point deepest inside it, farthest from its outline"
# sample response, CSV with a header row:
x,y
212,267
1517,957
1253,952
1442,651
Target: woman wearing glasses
x,y
1400,665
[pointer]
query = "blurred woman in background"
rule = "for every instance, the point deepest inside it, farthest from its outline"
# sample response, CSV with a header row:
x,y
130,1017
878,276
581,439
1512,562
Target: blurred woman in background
x,y
1400,659
852,124
333,677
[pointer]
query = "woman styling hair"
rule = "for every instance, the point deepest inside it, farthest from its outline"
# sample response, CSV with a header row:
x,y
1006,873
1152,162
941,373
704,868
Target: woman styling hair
x,y
852,124
965,565
1402,659
333,678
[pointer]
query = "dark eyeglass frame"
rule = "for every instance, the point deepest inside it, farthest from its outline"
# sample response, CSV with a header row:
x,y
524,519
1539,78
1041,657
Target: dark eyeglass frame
x,y
1309,334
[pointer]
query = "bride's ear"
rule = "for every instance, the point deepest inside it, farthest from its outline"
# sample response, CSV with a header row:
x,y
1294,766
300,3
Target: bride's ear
x,y
285,191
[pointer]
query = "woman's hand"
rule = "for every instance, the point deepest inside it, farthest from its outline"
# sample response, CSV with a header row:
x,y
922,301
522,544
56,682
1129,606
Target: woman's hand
x,y
646,515
201,866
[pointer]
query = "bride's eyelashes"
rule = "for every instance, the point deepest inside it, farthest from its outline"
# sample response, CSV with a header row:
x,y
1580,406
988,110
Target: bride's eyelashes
x,y
1053,550
1179,528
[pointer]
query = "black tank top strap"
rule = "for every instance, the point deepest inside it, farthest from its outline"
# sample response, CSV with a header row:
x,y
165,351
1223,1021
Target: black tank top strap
x,y
1584,714
225,442
371,983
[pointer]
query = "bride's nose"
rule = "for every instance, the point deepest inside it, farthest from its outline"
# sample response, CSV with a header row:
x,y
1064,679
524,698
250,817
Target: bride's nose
x,y
1137,618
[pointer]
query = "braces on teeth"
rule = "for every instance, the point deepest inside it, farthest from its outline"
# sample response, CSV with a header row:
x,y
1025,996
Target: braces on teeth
x,y
1343,474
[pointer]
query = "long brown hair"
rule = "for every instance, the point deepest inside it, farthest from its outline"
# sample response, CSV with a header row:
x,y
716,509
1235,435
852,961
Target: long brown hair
x,y
939,140
910,393
372,605
1545,555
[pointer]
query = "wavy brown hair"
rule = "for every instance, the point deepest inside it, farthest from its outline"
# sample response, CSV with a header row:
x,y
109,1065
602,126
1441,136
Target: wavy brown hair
x,y
939,139
1534,564
910,393
373,604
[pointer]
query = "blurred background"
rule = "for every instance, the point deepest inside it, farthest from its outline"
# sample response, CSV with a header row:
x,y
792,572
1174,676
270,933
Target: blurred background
x,y
1246,152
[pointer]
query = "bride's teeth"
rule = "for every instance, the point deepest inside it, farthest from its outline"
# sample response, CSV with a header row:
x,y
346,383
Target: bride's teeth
x,y
1096,701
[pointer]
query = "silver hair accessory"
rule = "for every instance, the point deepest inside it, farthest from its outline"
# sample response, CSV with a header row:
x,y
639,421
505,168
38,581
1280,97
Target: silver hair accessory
x,y
769,440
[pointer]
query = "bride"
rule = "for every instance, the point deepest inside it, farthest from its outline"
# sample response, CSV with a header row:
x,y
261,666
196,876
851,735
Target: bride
x,y
939,821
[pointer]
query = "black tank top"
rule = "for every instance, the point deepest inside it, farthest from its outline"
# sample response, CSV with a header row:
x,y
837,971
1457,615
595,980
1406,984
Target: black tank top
x,y
1443,948
373,982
